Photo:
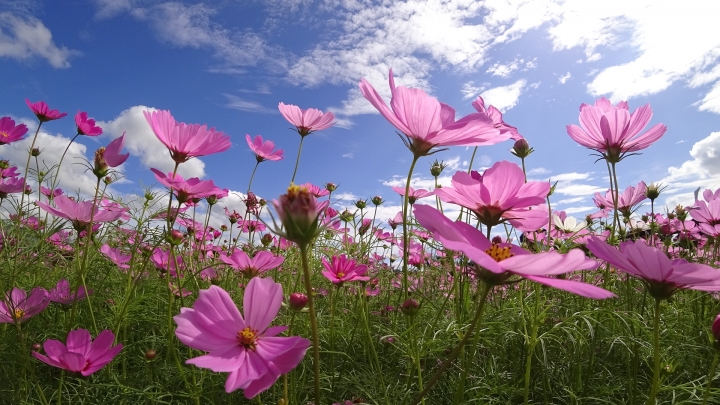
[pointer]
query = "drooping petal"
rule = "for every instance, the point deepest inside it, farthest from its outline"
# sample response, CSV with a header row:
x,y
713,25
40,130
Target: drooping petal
x,y
575,287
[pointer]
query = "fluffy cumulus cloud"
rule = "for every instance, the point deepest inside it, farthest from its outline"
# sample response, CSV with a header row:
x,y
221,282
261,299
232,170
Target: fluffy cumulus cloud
x,y
504,97
703,171
27,38
142,143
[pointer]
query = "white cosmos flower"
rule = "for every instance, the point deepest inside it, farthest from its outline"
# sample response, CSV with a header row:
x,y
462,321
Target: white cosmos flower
x,y
570,225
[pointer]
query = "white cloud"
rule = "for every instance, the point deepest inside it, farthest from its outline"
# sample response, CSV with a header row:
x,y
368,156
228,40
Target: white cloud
x,y
23,39
504,97
711,101
564,78
348,155
703,170
505,70
471,90
141,142
240,104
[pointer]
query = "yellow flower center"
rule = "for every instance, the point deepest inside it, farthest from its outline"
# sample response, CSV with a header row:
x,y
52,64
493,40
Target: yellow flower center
x,y
18,313
248,338
4,134
341,275
499,253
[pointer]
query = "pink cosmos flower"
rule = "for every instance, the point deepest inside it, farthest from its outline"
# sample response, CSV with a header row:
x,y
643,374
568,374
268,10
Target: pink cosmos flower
x,y
79,213
17,306
413,195
299,213
342,269
662,276
427,123
61,293
497,262
317,191
262,261
116,256
707,212
499,193
612,130
161,259
497,119
397,220
186,141
50,194
9,132
112,154
306,121
86,126
11,185
43,112
263,150
246,347
81,354
627,201
186,189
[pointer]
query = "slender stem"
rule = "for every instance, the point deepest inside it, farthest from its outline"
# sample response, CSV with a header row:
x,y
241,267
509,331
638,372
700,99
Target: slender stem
x,y
531,342
313,320
253,175
522,160
406,235
27,166
711,376
57,170
656,349
297,161
453,355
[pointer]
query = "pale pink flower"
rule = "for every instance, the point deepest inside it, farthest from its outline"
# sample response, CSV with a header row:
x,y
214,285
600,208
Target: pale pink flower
x,y
186,141
81,354
306,121
497,119
186,189
79,213
413,195
116,256
262,261
263,150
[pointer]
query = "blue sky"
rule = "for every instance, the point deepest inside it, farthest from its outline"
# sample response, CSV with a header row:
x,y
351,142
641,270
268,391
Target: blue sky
x,y
229,63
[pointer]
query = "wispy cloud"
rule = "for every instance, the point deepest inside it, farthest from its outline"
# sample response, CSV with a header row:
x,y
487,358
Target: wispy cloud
x,y
240,104
564,78
27,38
504,97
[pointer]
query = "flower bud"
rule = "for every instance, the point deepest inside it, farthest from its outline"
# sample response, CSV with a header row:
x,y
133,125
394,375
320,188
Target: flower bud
x,y
653,191
262,202
298,301
28,189
175,237
436,168
149,196
150,354
36,347
223,228
410,307
101,167
331,187
521,149
377,200
211,199
35,152
681,212
4,164
107,180
299,213
361,204
346,216
266,240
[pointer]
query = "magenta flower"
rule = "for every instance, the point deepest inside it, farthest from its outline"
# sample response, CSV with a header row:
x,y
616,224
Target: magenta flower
x,y
662,277
43,112
317,191
413,195
246,347
116,256
627,201
9,132
306,121
61,293
496,262
262,261
497,119
11,185
263,150
86,126
612,130
341,269
109,156
186,189
18,307
427,123
186,141
716,328
79,213
500,193
50,194
81,354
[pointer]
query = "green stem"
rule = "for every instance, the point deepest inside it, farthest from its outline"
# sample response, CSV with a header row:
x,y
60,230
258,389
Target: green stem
x,y
453,355
531,342
313,320
297,161
656,350
255,169
406,235
27,167
711,375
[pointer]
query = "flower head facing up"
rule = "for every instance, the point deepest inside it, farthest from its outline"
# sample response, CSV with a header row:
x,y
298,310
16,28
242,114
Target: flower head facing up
x,y
263,150
262,261
306,121
81,354
79,213
186,141
246,347
662,276
11,185
9,132
43,112
62,293
299,213
427,123
495,263
18,307
613,131
341,269
185,190
86,126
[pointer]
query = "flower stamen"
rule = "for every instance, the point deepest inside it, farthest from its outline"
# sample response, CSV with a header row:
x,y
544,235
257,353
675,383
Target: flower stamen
x,y
499,253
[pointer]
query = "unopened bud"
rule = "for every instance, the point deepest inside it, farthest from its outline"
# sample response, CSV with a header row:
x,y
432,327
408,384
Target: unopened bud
x,y
298,301
266,240
653,191
330,187
361,204
410,307
377,200
36,347
107,180
175,237
35,152
150,354
521,149
4,164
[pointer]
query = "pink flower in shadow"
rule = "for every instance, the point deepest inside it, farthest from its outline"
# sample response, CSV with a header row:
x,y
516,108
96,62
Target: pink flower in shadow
x,y
81,354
